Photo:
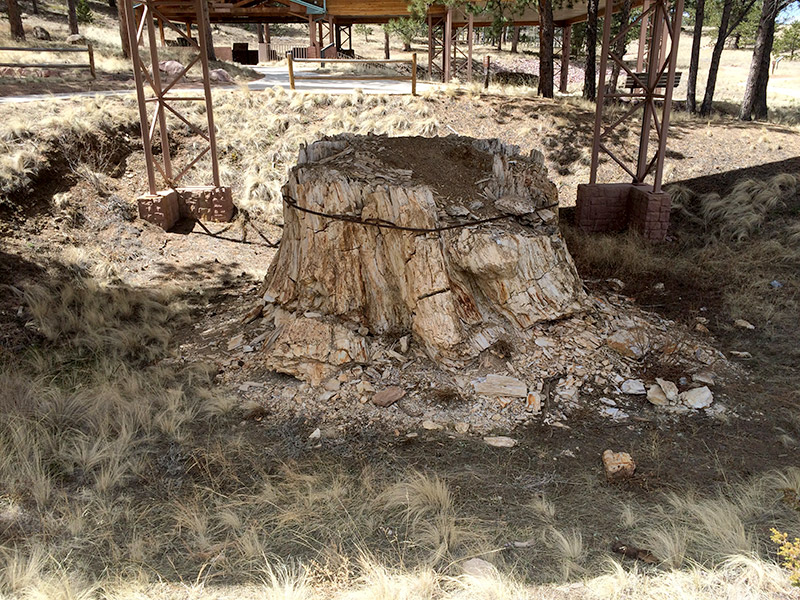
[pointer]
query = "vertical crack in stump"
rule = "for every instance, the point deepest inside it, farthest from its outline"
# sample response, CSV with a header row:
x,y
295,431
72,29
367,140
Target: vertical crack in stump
x,y
336,284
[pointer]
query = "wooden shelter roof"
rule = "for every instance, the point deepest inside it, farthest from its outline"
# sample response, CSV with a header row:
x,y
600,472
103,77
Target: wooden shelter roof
x,y
351,11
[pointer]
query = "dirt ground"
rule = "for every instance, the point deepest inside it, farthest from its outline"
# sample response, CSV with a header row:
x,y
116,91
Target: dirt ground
x,y
68,228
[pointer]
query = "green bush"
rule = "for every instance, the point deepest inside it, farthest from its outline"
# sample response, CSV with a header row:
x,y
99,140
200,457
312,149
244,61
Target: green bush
x,y
84,12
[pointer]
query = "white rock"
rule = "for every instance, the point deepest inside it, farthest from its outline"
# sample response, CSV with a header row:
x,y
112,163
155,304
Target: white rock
x,y
315,435
477,567
332,385
500,441
738,354
500,385
608,401
431,425
170,67
633,387
670,389
220,76
706,377
462,427
744,324
697,398
614,413
656,396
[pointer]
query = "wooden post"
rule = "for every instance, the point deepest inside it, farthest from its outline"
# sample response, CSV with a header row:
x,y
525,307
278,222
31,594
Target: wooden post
x,y
470,34
430,47
673,57
212,134
642,38
566,37
160,110
137,76
414,74
311,33
486,74
91,60
448,38
161,33
601,89
189,29
291,69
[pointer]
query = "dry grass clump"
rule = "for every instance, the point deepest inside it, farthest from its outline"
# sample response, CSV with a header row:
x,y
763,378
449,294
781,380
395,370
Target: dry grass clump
x,y
742,213
56,137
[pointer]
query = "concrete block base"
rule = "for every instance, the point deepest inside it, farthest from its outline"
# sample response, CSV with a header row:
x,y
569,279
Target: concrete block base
x,y
209,203
614,207
160,208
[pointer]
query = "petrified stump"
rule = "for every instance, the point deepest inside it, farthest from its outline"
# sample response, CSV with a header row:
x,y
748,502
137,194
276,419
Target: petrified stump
x,y
453,240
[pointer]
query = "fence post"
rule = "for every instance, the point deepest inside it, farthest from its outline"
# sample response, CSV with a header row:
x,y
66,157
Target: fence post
x,y
486,74
414,74
91,60
291,69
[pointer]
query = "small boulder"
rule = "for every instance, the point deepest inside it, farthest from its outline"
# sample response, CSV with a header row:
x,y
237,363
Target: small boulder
x,y
388,396
478,568
219,76
618,465
656,395
742,324
40,33
704,377
170,67
697,398
670,389
76,39
633,387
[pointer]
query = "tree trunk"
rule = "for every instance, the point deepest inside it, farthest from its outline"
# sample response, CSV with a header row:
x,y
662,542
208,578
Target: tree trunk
x,y
386,51
515,40
713,68
72,16
619,48
123,29
694,61
546,34
35,7
337,289
590,71
206,22
754,103
15,20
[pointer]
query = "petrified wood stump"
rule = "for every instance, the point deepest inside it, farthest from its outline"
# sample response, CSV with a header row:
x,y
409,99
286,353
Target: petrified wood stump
x,y
338,278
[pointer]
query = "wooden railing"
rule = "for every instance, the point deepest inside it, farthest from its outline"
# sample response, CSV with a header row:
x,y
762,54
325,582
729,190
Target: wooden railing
x,y
88,49
353,76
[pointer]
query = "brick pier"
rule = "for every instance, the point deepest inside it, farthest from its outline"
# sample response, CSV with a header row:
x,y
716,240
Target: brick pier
x,y
614,207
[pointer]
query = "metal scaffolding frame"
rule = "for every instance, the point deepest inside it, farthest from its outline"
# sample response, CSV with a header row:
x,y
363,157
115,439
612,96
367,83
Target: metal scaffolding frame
x,y
659,36
140,16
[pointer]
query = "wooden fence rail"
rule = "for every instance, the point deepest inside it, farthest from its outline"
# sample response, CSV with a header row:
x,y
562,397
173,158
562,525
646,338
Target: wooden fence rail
x,y
88,49
350,61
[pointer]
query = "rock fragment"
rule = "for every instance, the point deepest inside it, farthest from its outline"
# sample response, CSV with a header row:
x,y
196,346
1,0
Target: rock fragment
x,y
697,398
500,385
669,388
618,465
500,441
632,343
388,396
633,387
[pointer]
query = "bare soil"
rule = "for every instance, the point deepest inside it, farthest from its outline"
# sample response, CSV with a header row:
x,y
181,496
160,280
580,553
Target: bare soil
x,y
221,270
